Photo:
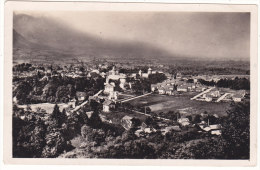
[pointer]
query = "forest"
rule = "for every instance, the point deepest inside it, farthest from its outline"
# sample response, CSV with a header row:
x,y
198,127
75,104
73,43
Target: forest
x,y
236,84
77,136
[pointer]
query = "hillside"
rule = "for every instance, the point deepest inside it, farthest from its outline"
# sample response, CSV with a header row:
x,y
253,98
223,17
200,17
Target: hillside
x,y
41,34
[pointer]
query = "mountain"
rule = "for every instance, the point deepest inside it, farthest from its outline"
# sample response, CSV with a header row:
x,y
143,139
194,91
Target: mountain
x,y
42,33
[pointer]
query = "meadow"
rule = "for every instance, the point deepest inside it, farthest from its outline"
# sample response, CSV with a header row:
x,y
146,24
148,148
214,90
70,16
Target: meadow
x,y
182,103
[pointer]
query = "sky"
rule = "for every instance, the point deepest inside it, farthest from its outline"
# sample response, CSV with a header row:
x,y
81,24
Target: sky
x,y
190,34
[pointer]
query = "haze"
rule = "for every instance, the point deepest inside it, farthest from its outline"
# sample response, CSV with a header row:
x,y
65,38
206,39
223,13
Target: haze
x,y
189,34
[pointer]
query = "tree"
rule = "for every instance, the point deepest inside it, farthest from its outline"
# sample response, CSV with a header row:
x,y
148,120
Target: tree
x,y
156,78
95,121
22,91
190,81
55,144
59,117
28,136
50,89
148,110
149,121
197,118
62,92
74,123
189,117
236,131
85,130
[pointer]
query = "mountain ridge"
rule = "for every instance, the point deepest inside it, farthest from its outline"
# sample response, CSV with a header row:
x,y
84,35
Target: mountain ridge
x,y
43,33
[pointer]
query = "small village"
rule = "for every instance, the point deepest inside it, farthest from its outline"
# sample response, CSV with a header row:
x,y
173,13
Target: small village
x,y
130,84
118,91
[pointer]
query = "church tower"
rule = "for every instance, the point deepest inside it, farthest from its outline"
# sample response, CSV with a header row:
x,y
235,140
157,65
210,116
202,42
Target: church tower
x,y
140,73
149,71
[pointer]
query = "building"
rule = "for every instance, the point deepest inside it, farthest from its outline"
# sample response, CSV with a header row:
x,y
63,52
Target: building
x,y
216,132
207,97
149,130
81,96
184,121
89,114
145,75
113,71
109,88
169,90
108,105
161,90
113,95
72,103
182,88
154,87
104,119
170,128
122,83
95,71
200,89
213,129
237,98
215,93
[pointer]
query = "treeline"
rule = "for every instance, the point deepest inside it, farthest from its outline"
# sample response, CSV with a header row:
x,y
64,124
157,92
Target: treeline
x,y
39,135
23,67
236,84
184,144
77,136
55,89
144,84
191,67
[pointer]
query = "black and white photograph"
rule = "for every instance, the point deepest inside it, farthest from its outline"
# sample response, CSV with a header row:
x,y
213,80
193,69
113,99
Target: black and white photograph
x,y
122,84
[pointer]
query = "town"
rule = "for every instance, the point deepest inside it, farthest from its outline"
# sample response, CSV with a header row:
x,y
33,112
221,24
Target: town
x,y
141,99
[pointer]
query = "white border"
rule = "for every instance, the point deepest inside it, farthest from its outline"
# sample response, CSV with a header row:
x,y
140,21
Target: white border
x,y
181,162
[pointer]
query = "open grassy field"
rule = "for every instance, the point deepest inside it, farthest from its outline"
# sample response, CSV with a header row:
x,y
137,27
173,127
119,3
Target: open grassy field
x,y
48,107
183,104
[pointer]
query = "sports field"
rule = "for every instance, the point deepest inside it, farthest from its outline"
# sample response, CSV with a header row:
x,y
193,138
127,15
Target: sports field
x,y
183,104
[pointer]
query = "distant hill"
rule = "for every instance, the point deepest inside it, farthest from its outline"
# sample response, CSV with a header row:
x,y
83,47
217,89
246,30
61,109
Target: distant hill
x,y
40,33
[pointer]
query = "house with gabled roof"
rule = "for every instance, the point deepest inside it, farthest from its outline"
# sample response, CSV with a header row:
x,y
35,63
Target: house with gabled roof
x,y
182,88
237,97
161,90
81,96
184,121
108,105
168,90
154,87
109,88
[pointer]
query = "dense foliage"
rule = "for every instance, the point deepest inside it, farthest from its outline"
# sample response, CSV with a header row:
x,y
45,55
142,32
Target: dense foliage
x,y
54,89
236,84
236,131
76,135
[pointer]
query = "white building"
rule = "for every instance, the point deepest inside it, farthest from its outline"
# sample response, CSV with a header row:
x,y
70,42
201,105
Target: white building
x,y
108,105
145,75
113,95
161,90
182,88
109,89
184,121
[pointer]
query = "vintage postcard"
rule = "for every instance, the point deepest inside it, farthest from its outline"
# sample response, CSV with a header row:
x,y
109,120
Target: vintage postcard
x,y
130,84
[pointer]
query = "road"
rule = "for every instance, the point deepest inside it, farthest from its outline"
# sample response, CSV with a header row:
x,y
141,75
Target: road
x,y
206,91
222,97
126,100
84,103
150,115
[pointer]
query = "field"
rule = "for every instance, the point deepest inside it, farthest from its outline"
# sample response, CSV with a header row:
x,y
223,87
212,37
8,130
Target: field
x,y
48,107
183,104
